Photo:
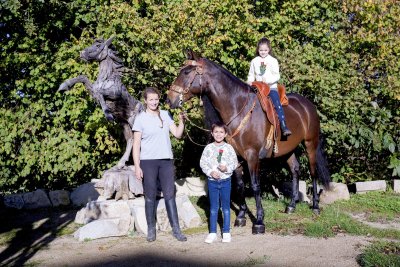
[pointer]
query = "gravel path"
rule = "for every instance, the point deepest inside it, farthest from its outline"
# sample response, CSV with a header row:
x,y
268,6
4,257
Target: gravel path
x,y
244,250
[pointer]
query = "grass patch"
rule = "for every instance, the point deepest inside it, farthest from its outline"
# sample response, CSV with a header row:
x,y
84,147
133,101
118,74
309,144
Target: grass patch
x,y
250,261
381,253
378,206
6,237
68,229
334,219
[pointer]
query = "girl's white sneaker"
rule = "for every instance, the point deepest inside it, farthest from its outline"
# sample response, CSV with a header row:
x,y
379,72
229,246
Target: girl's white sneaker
x,y
211,238
226,237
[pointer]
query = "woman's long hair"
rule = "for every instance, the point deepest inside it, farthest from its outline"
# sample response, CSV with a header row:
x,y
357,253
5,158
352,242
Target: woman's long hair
x,y
153,90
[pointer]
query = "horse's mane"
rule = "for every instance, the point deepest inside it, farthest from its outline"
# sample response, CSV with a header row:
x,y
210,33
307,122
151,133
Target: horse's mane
x,y
117,62
231,77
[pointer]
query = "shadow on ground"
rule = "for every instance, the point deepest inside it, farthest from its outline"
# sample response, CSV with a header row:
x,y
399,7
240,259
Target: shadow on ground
x,y
25,232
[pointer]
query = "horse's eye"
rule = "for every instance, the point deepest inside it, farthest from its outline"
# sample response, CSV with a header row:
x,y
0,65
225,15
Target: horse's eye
x,y
187,71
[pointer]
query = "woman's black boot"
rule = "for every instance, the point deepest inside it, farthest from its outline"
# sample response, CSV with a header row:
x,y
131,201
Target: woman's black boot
x,y
150,210
173,219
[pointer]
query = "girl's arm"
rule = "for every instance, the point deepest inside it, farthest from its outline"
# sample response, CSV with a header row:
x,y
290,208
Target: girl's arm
x,y
205,163
232,160
251,77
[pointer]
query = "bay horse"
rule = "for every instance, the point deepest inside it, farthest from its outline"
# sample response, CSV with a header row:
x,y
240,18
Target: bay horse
x,y
237,106
109,91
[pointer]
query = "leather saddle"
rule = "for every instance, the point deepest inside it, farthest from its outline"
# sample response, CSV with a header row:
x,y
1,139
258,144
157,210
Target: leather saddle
x,y
262,90
266,102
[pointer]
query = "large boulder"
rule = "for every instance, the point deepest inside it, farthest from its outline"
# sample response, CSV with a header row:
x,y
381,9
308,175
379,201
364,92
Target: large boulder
x,y
191,186
84,194
97,210
59,198
36,199
103,228
338,191
15,201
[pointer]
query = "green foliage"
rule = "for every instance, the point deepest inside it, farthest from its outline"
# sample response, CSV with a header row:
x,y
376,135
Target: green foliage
x,y
342,55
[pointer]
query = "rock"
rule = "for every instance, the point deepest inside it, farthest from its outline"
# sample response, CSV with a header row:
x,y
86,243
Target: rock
x,y
137,210
162,217
191,186
135,185
338,191
121,182
396,186
285,189
84,194
378,185
97,210
36,199
116,181
187,212
103,228
15,201
59,198
303,192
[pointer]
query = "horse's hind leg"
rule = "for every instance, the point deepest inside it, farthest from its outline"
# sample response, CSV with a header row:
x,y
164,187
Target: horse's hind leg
x,y
241,216
295,170
311,147
129,142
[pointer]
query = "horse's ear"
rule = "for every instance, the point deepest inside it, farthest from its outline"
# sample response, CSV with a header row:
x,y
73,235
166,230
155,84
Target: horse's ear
x,y
188,53
195,56
109,40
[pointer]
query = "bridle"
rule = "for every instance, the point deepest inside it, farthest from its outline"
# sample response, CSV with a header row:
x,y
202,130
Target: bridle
x,y
198,72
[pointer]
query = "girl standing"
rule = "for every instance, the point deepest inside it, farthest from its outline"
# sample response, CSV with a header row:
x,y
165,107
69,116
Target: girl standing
x,y
218,162
265,68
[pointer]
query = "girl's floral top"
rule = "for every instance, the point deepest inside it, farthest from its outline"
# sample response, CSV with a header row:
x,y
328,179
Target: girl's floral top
x,y
211,156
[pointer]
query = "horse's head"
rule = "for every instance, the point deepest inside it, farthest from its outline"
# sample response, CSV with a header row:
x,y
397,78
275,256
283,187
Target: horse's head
x,y
98,51
189,81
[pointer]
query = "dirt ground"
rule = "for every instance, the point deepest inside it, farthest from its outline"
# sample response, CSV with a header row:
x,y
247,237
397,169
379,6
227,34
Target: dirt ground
x,y
37,244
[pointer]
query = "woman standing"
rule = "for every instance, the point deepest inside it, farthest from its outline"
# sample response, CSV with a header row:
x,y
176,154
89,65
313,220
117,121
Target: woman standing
x,y
153,159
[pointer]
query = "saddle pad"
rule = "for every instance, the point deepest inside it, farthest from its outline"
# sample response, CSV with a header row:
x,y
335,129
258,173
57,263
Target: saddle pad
x,y
264,89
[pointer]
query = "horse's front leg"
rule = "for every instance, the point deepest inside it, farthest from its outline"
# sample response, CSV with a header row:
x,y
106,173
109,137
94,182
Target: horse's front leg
x,y
241,216
295,170
68,84
129,143
253,163
102,102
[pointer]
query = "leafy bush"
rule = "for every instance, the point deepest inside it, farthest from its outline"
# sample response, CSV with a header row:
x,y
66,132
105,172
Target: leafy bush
x,y
342,55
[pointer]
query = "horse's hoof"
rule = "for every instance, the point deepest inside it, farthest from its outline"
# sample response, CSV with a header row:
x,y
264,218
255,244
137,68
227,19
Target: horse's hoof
x,y
316,211
258,229
240,222
290,210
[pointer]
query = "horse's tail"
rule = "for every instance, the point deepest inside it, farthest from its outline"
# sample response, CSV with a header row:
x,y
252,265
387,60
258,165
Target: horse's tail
x,y
322,164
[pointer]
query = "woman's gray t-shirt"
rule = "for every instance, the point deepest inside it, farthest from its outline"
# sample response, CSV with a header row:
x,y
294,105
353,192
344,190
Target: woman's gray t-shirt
x,y
155,143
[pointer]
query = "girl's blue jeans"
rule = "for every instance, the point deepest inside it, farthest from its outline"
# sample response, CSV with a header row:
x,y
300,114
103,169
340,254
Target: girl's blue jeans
x,y
219,191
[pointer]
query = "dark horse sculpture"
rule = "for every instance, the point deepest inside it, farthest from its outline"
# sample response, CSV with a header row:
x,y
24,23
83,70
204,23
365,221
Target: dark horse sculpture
x,y
238,107
108,91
